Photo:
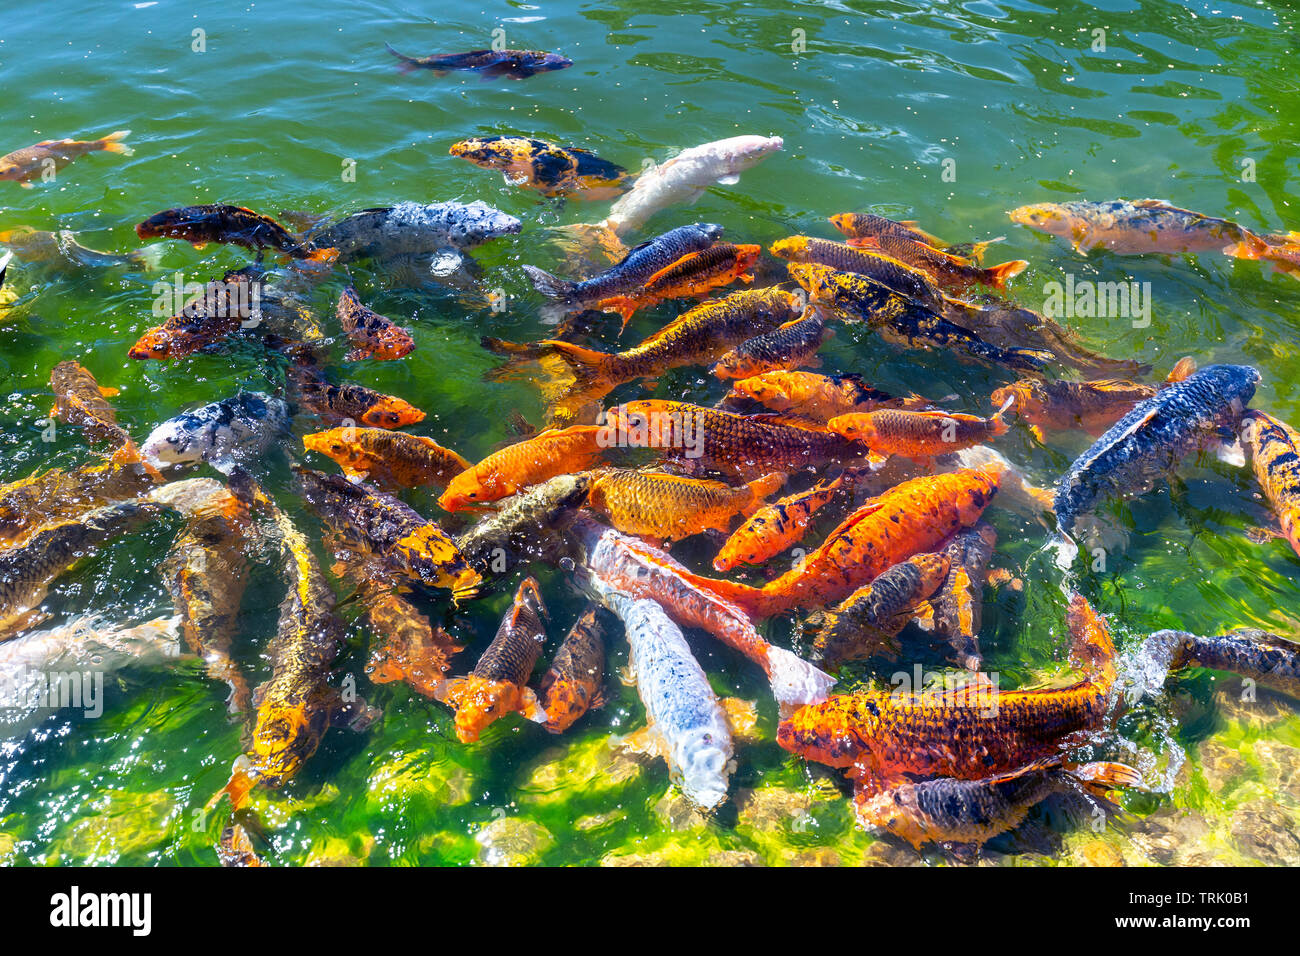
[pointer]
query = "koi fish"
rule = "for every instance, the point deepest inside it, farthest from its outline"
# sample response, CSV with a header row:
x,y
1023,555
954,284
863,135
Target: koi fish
x,y
522,529
411,649
22,166
222,433
667,507
498,684
1271,661
551,170
917,434
896,275
635,270
639,570
351,404
737,445
373,335
865,226
688,725
235,848
773,528
571,685
60,249
818,398
958,606
235,225
884,738
489,64
217,313
912,518
693,276
435,234
371,522
80,400
952,273
793,344
515,467
1154,437
388,459
206,573
686,177
944,810
1274,450
56,495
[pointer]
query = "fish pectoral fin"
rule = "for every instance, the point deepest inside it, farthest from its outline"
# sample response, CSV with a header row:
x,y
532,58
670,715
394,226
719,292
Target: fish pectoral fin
x,y
730,179
108,391
1262,535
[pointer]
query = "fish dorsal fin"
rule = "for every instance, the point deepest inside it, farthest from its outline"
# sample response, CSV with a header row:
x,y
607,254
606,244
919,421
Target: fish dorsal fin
x,y
1184,367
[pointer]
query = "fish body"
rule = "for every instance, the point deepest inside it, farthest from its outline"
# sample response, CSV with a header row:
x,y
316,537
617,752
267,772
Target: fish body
x,y
685,177
350,404
615,561
946,810
867,622
959,604
818,398
900,320
917,434
551,170
669,507
80,400
406,646
951,273
222,433
1154,437
61,248
371,522
443,230
774,527
522,529
913,517
793,344
529,462
1092,406
221,310
27,570
737,445
896,275
498,684
388,459
571,685
865,226
684,715
693,276
206,573
22,166
636,268
372,335
233,225
489,64
968,733
55,495
1269,660
1273,447
1137,227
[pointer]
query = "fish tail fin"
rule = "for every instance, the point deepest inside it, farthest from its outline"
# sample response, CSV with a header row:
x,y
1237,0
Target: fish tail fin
x,y
149,258
405,64
624,305
129,454
977,249
1184,367
322,256
794,681
764,487
1105,775
553,287
998,418
112,143
998,275
1092,644
590,367
243,778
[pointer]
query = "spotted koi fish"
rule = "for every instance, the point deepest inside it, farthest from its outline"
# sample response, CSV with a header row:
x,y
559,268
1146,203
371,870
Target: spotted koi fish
x,y
498,684
551,170
958,607
669,507
790,346
80,400
373,335
571,685
204,321
864,226
952,273
522,529
773,528
1274,450
1271,661
693,276
350,404
896,275
388,459
489,64
236,225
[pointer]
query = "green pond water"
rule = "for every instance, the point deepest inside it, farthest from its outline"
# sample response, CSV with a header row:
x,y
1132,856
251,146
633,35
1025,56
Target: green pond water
x,y
882,94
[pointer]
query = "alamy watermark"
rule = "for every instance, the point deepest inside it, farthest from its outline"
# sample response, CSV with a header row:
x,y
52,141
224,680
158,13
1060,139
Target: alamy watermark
x,y
1083,298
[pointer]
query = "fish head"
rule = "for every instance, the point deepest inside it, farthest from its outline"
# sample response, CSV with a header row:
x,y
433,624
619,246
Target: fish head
x,y
844,222
894,810
830,732
431,554
791,247
390,412
816,280
736,365
466,490
701,763
179,441
742,152
550,61
478,701
335,444
708,231
566,700
159,224
11,172
1046,217
932,570
284,737
856,426
478,222
487,151
1023,395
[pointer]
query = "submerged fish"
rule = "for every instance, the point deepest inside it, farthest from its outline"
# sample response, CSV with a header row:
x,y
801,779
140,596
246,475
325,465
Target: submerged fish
x,y
529,462
389,459
685,718
498,684
80,400
1137,227
223,433
489,64
818,398
868,621
1273,448
218,312
1092,406
694,275
235,225
899,276
440,231
1267,659
372,335
918,434
773,528
22,166
522,529
407,647
968,733
793,344
685,177
371,522
350,404
669,507
571,685
636,268
551,170
1154,437
62,249
56,495
946,810
958,607
637,569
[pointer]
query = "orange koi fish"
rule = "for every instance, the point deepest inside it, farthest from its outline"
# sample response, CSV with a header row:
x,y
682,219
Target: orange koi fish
x,y
818,398
349,404
571,685
80,400
387,458
918,435
22,166
773,528
693,276
503,473
1273,447
952,273
668,507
